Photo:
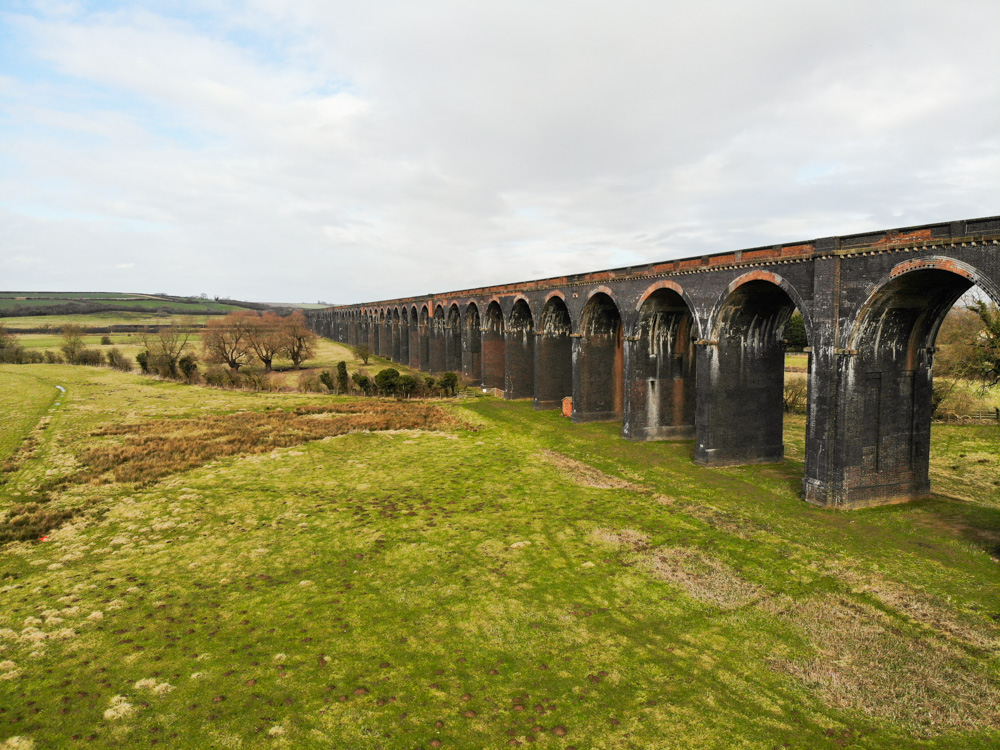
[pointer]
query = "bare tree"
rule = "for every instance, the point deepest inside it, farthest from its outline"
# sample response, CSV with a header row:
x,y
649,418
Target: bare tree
x,y
166,345
227,339
300,341
266,337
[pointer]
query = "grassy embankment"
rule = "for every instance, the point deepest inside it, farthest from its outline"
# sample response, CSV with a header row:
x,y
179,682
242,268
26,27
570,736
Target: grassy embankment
x,y
508,579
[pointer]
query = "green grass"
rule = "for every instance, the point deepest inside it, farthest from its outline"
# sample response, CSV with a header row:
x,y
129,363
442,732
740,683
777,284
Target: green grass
x,y
99,320
517,579
11,302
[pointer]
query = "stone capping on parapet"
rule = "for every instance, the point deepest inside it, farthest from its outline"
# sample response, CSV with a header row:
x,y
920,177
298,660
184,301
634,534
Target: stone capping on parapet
x,y
983,231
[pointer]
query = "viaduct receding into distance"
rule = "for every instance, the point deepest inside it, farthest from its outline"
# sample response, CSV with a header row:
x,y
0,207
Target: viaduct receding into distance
x,y
694,348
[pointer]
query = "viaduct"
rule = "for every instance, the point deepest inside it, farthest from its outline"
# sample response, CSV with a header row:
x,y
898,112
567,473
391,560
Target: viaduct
x,y
693,348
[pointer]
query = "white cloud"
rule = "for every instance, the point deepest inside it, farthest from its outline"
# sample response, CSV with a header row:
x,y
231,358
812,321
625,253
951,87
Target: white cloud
x,y
350,151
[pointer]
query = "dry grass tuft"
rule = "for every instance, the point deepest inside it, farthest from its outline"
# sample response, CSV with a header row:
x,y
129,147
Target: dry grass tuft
x,y
588,476
702,577
25,522
864,662
636,540
924,609
157,448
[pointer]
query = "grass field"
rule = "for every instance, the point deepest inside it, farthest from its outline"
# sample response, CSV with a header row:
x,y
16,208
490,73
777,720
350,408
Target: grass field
x,y
98,320
10,302
494,578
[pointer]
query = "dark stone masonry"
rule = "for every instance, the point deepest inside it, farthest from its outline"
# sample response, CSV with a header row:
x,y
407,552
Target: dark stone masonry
x,y
694,348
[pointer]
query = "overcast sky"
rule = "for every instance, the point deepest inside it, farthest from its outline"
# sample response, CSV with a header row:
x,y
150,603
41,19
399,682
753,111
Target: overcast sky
x,y
305,150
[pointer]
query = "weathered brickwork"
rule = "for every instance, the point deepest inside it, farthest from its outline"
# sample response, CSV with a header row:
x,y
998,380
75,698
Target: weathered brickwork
x,y
693,347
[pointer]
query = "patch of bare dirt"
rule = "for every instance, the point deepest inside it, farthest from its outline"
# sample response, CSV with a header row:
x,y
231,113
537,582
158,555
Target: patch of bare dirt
x,y
588,476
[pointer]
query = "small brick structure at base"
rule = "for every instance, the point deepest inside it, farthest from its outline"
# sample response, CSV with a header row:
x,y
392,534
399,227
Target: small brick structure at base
x,y
567,406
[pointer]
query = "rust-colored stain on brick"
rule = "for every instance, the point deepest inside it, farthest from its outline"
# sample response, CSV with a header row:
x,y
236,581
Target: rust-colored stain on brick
x,y
894,237
796,250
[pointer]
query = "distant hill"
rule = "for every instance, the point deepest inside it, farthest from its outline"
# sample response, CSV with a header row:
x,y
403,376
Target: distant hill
x,y
24,304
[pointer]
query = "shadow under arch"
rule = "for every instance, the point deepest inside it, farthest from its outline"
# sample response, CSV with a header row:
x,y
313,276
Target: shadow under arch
x,y
424,334
519,367
494,346
472,342
395,327
414,338
740,411
599,379
661,367
439,333
554,354
453,340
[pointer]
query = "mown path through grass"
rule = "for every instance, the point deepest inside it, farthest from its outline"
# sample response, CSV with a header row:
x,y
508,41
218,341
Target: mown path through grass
x,y
478,588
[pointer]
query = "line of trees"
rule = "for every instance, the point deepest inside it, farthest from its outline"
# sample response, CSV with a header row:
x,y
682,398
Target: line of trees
x,y
245,337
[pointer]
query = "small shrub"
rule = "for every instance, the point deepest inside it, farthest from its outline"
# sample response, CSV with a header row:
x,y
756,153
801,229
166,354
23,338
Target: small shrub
x,y
53,358
326,378
255,379
406,385
796,390
187,366
143,359
363,353
119,361
449,383
363,382
387,381
310,382
91,357
220,376
343,382
106,340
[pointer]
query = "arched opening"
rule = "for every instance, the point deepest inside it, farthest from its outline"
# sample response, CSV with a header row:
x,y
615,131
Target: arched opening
x,y
404,337
661,402
472,361
553,356
376,334
519,367
396,329
494,347
438,340
386,336
740,413
453,341
886,403
598,392
414,346
425,339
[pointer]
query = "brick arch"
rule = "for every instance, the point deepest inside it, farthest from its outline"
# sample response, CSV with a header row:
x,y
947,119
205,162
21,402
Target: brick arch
x,y
674,286
711,327
604,290
911,269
